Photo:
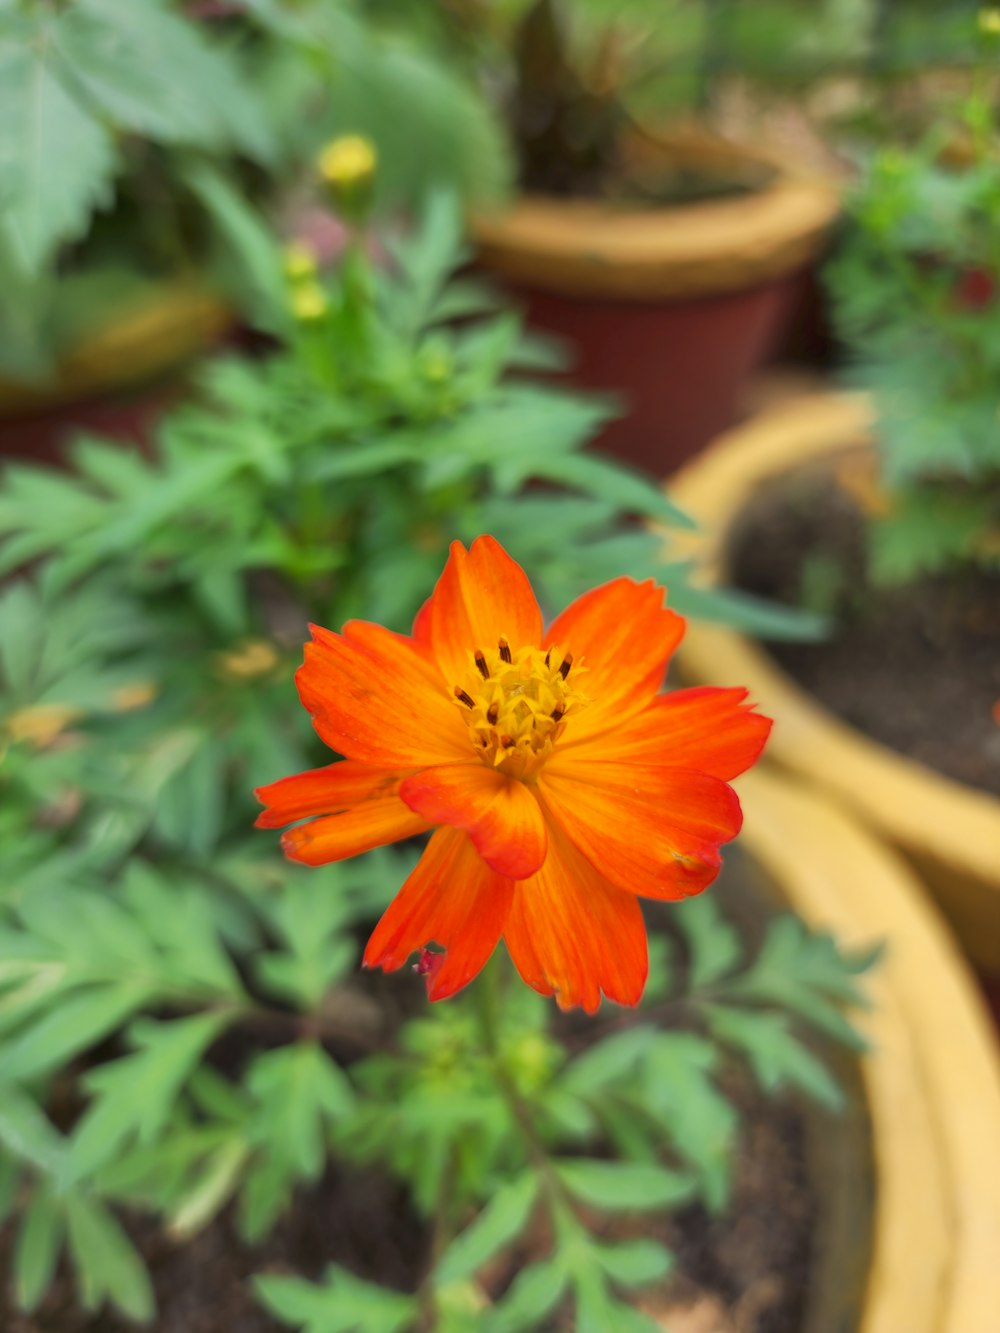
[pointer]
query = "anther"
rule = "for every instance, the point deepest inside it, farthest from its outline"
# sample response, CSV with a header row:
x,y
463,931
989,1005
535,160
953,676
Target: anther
x,y
493,712
565,665
505,654
483,669
464,698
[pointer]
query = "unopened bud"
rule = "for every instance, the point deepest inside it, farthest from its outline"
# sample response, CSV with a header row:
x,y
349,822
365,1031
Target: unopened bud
x,y
309,302
347,165
299,262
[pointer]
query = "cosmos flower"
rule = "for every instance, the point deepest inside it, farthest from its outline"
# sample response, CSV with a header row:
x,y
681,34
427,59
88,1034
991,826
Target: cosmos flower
x,y
561,785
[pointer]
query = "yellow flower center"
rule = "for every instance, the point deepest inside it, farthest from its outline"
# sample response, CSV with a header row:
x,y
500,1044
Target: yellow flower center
x,y
515,703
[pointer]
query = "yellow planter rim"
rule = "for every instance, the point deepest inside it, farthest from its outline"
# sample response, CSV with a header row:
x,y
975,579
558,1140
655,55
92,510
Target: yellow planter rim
x,y
592,249
943,824
931,1075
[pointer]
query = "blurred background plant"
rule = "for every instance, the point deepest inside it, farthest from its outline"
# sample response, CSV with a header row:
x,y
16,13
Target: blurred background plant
x,y
166,120
917,305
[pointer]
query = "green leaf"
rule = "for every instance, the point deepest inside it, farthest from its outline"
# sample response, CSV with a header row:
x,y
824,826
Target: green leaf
x,y
251,243
152,72
38,1243
79,1021
298,1093
714,944
27,1133
219,1179
630,491
633,1263
106,1263
501,1221
777,1059
135,1096
57,161
531,1297
344,1304
807,975
624,1185
677,1088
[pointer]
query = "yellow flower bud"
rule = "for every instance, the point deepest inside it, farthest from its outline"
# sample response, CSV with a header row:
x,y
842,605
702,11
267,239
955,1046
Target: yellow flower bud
x,y
309,302
348,161
347,165
299,262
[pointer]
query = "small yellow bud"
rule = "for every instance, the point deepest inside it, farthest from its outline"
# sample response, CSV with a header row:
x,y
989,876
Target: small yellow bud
x,y
348,161
299,262
254,658
989,22
347,165
309,302
41,723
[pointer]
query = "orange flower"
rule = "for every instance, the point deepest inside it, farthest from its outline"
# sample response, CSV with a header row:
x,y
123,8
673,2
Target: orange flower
x,y
560,783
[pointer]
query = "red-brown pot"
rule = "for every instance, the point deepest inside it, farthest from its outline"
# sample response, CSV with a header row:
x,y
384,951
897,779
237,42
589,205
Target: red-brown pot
x,y
670,308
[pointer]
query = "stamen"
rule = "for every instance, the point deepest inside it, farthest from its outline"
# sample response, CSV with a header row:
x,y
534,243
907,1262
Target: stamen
x,y
481,666
493,712
505,653
565,665
464,698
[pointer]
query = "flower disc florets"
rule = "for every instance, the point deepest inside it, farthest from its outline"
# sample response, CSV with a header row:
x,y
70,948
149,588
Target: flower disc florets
x,y
515,703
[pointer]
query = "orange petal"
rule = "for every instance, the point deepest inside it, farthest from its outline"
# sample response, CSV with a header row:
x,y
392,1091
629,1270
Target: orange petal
x,y
500,814
706,730
358,829
323,791
482,595
625,637
649,830
375,696
453,899
572,935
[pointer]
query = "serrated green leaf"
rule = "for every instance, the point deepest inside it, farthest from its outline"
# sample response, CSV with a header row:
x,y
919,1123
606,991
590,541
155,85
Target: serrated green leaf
x,y
106,1263
677,1087
501,1220
39,1240
153,72
777,1059
59,160
615,1185
714,944
135,1095
805,974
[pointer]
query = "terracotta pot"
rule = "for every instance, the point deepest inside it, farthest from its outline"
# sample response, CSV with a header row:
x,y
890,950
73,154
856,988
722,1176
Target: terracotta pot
x,y
931,1074
120,381
671,308
950,832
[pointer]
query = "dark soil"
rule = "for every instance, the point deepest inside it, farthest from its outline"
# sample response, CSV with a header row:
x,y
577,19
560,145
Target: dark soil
x,y
916,667
759,1264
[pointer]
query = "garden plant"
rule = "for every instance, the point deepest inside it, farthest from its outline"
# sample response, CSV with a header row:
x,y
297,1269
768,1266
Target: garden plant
x,y
186,1040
